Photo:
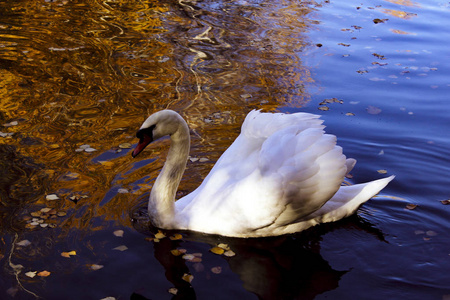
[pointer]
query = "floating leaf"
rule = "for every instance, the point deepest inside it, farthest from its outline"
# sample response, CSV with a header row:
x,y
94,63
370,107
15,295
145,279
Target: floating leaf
x,y
51,197
118,233
217,250
90,150
96,267
125,146
173,291
176,236
188,257
177,252
61,213
68,254
160,235
373,110
349,114
224,246
445,202
23,243
324,108
229,253
31,274
188,277
122,191
121,248
382,171
108,298
411,206
43,274
376,21
431,233
216,270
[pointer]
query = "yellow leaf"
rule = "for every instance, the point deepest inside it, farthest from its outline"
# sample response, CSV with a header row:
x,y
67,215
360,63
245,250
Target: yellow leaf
x,y
160,235
187,277
224,246
176,236
217,250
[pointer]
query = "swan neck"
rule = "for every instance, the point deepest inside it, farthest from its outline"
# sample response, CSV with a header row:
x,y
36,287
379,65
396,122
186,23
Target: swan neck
x,y
162,198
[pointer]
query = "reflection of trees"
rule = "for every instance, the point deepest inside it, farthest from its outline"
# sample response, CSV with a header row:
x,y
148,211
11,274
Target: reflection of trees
x,y
90,72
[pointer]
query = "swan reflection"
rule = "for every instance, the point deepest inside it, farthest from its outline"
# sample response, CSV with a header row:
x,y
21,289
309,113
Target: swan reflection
x,y
284,267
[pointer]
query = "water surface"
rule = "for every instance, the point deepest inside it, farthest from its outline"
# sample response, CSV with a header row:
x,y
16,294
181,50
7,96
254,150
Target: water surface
x,y
79,77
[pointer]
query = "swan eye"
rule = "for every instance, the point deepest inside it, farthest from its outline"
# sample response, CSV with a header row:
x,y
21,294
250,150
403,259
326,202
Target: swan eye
x,y
145,132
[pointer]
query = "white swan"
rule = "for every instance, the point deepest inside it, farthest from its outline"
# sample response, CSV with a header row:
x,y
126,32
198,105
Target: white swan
x,y
281,175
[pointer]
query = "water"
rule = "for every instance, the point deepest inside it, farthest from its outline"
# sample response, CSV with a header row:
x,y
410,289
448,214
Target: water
x,y
89,72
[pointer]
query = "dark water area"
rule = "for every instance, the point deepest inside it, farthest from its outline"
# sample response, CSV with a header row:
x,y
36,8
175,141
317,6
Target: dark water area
x,y
79,77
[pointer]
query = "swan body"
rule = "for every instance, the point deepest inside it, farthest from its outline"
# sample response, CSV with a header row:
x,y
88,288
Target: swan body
x,y
281,175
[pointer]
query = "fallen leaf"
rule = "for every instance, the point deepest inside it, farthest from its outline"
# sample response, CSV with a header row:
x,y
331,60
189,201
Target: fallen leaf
x,y
46,209
31,274
376,21
176,236
431,233
188,257
125,146
68,254
224,246
382,171
96,267
324,108
23,243
217,250
118,233
188,277
43,274
216,270
445,202
373,110
160,235
173,291
121,248
51,197
177,252
229,253
411,206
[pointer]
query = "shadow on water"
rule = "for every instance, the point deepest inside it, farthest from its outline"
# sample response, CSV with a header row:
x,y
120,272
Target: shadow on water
x,y
284,267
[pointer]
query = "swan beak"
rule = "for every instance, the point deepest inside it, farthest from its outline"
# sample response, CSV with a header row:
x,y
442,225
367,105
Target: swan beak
x,y
143,142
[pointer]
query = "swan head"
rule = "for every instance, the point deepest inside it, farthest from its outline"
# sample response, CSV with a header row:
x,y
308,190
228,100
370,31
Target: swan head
x,y
158,125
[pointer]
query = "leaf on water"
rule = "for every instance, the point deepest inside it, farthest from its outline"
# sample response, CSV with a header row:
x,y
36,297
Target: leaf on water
x,y
349,114
36,213
176,236
216,270
193,159
68,254
43,273
177,252
23,243
445,202
229,253
217,250
373,110
173,291
376,21
125,146
121,248
118,233
187,277
61,213
31,274
96,267
431,233
382,171
51,197
323,108
108,298
106,163
188,257
122,191
345,45
90,150
224,246
411,206
46,209
160,235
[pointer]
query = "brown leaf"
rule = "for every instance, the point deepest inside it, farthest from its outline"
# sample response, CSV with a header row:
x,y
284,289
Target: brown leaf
x,y
445,202
411,206
43,274
188,277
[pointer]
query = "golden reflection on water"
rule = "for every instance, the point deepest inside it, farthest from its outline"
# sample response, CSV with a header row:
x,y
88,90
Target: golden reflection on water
x,y
88,73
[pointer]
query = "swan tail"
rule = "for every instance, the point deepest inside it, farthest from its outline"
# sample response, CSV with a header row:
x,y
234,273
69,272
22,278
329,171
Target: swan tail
x,y
348,199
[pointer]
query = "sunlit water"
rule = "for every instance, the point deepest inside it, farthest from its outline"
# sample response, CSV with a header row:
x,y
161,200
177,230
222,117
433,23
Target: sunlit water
x,y
88,73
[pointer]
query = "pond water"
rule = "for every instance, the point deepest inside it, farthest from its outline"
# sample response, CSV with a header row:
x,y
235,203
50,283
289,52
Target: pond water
x,y
79,77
